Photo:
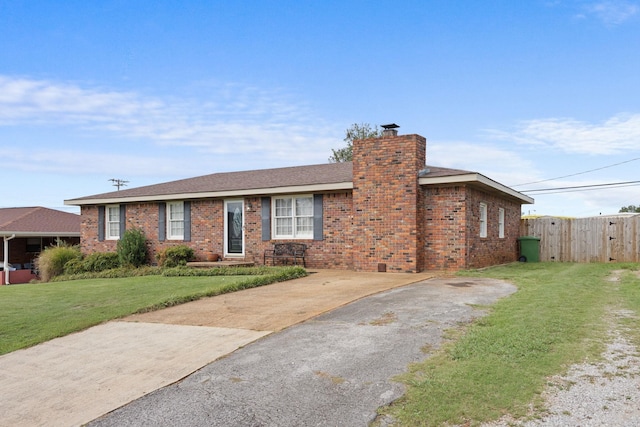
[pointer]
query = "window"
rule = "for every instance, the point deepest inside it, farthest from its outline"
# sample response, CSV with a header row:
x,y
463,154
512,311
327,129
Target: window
x,y
501,223
34,244
293,217
112,223
175,221
483,220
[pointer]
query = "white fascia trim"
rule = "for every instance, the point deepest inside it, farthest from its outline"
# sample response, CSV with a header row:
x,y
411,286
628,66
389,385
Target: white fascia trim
x,y
217,194
475,178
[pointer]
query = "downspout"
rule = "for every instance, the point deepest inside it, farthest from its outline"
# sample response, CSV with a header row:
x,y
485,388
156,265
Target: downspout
x,y
6,258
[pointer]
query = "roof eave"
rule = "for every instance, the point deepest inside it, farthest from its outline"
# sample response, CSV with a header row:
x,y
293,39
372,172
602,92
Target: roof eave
x,y
40,234
476,178
214,194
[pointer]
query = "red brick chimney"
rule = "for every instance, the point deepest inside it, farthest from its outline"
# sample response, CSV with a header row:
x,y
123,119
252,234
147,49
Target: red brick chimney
x,y
386,201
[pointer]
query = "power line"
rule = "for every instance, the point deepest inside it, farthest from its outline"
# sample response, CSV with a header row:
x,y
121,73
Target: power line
x,y
578,173
576,188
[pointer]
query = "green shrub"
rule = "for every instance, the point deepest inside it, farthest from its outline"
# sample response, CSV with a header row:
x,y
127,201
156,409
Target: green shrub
x,y
96,262
52,260
132,248
175,256
101,261
74,266
113,273
260,270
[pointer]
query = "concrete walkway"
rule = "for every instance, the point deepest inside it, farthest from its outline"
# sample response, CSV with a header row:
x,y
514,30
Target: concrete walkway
x,y
75,379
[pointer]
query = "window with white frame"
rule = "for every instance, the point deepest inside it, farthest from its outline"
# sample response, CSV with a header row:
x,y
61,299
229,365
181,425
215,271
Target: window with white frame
x,y
483,220
293,217
112,222
501,223
175,220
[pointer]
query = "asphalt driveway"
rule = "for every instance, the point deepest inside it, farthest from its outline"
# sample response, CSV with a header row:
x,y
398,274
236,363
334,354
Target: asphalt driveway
x,y
334,369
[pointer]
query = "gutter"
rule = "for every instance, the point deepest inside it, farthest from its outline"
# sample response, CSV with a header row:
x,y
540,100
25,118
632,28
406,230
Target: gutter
x,y
475,178
211,194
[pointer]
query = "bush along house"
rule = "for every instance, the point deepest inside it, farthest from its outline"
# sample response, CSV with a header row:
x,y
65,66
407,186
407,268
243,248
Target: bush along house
x,y
384,211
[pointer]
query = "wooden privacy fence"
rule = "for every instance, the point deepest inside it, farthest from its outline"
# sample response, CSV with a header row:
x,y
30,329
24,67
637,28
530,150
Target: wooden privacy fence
x,y
595,239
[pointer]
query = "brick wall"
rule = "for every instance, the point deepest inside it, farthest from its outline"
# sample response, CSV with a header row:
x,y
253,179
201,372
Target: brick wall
x,y
491,250
445,224
207,231
452,239
334,251
385,202
89,233
206,228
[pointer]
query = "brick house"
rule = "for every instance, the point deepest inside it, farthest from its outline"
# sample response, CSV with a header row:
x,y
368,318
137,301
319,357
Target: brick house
x,y
385,210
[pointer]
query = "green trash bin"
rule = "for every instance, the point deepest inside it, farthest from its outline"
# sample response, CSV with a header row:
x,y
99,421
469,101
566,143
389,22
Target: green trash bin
x,y
529,249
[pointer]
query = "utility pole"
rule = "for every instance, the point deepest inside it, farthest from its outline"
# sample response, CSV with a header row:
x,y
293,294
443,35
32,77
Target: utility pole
x,y
119,182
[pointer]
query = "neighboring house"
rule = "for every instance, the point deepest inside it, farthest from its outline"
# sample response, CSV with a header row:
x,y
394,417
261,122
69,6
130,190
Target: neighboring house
x,y
385,211
26,232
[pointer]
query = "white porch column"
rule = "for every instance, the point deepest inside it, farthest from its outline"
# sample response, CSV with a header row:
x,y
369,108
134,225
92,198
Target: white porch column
x,y
6,258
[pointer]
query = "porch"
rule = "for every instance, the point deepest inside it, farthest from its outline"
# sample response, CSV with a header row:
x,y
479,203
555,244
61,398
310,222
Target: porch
x,y
23,275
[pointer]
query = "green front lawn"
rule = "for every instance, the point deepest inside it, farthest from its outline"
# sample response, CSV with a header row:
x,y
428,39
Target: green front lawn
x,y
34,313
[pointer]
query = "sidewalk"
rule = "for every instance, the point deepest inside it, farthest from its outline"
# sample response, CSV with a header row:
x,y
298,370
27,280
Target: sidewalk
x,y
75,379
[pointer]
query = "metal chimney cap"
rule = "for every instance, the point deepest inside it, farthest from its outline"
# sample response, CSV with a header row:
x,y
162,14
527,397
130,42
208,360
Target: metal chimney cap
x,y
390,126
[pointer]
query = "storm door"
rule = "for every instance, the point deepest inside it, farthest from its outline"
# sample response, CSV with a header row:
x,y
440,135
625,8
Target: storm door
x,y
234,228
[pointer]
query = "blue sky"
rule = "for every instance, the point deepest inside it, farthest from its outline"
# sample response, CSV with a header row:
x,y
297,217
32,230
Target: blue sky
x,y
533,91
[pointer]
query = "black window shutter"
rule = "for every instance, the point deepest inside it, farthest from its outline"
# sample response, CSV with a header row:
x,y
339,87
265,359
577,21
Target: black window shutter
x,y
162,221
101,223
266,219
123,220
187,221
317,217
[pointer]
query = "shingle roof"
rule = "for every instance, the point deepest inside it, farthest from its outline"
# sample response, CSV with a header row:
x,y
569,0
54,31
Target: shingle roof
x,y
435,171
38,221
263,179
329,173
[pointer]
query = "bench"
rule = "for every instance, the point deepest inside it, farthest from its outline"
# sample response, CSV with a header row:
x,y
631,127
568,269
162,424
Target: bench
x,y
286,252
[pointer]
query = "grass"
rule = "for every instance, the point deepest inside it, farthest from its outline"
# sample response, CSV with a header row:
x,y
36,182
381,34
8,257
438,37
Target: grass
x,y
630,296
500,364
34,313
497,365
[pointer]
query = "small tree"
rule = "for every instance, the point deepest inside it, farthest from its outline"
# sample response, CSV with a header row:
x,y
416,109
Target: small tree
x,y
356,131
630,208
132,248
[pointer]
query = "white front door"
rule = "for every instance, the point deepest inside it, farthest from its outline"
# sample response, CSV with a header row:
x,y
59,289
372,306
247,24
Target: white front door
x,y
234,228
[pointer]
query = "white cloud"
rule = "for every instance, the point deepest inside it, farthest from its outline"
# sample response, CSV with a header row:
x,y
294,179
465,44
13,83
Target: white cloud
x,y
85,163
503,165
23,100
618,134
70,129
612,12
245,118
